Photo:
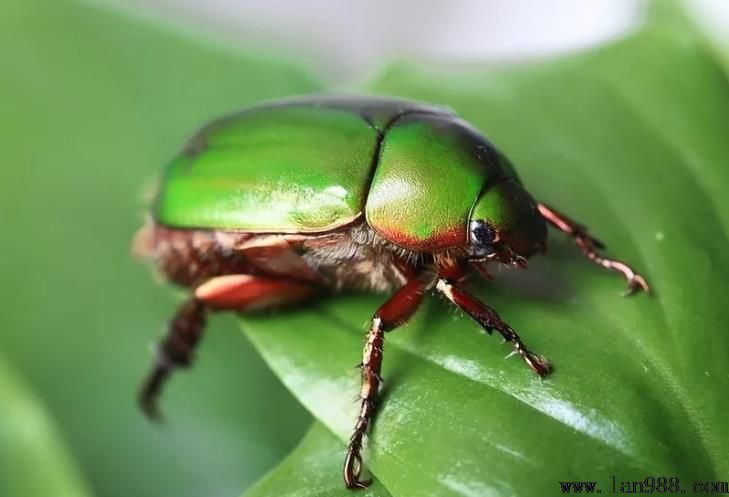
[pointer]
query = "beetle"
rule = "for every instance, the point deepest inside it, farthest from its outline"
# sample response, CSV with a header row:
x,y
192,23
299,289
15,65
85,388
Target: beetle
x,y
291,199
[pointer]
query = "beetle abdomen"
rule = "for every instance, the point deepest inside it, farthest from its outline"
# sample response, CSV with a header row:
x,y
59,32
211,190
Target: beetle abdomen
x,y
354,258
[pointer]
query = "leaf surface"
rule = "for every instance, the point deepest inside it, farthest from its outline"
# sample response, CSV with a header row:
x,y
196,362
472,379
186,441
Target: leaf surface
x,y
93,103
629,139
311,470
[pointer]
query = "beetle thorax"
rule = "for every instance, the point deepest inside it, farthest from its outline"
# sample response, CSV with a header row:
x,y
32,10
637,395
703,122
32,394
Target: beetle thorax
x,y
358,259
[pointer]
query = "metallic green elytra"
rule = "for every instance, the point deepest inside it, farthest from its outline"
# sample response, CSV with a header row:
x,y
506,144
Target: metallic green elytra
x,y
415,172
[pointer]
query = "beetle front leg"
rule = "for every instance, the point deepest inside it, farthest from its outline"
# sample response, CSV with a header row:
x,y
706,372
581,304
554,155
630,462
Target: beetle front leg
x,y
590,247
393,313
488,318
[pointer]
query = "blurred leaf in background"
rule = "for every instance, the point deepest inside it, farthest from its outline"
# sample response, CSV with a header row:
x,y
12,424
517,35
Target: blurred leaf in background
x,y
33,459
93,103
631,140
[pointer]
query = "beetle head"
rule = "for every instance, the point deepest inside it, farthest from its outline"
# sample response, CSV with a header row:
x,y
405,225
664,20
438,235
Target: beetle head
x,y
506,225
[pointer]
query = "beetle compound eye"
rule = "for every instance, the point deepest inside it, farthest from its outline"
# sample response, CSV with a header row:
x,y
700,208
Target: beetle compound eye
x,y
482,238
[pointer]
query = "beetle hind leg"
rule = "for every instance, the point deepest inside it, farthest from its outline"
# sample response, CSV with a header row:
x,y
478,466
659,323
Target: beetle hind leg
x,y
590,246
175,350
235,292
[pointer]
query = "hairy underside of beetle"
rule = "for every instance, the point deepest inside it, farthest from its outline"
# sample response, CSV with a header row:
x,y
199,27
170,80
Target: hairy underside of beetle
x,y
355,258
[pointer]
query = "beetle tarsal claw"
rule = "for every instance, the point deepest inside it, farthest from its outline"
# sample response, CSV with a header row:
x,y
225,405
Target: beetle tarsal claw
x,y
539,364
151,412
352,470
148,402
636,283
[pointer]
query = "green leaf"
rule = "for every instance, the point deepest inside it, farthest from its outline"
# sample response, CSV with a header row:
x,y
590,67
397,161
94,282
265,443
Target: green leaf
x,y
33,457
311,470
631,140
93,103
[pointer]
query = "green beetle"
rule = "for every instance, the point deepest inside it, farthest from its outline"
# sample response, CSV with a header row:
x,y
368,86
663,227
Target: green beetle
x,y
288,200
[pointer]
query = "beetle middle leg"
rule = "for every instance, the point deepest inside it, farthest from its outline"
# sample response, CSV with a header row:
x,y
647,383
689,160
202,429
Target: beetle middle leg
x,y
393,313
590,246
236,292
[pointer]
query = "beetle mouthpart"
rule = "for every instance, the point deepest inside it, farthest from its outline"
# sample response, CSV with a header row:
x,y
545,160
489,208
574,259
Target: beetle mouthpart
x,y
509,257
519,261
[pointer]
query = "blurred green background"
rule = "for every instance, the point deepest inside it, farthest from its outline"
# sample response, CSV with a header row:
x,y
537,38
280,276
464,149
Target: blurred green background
x,y
93,102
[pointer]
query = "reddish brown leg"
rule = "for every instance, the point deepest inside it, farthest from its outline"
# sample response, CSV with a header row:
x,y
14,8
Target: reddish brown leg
x,y
590,247
486,316
232,292
393,313
175,350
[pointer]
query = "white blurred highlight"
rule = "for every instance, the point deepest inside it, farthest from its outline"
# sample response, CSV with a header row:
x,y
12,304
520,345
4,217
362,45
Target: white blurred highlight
x,y
347,41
